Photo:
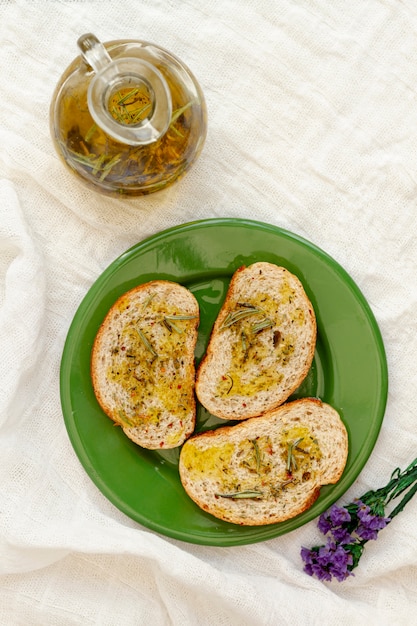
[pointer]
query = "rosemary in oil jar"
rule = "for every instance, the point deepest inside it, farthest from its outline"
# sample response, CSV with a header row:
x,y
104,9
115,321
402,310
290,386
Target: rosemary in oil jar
x,y
130,106
119,168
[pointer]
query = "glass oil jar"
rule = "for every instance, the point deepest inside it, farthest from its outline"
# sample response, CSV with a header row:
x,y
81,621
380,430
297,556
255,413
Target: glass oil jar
x,y
127,117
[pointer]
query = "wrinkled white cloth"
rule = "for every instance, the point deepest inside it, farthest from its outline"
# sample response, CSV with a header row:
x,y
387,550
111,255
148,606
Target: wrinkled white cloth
x,y
312,109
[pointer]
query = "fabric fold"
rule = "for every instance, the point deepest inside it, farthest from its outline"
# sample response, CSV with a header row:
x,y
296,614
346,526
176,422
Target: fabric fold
x,y
22,307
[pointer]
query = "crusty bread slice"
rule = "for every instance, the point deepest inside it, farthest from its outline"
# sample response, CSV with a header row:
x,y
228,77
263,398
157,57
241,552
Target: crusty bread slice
x,y
261,346
266,469
142,364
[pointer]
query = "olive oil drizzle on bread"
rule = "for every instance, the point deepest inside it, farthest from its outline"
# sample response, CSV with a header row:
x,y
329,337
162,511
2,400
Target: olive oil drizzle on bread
x,y
266,469
143,363
261,346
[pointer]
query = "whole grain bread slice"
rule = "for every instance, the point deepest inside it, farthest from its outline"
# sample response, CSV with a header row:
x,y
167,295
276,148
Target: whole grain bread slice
x,y
261,346
266,469
142,363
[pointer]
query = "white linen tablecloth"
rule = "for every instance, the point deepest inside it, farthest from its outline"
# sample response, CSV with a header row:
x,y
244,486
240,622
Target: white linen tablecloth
x,y
312,109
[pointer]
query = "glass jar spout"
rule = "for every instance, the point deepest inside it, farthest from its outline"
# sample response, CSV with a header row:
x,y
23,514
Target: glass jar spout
x,y
133,83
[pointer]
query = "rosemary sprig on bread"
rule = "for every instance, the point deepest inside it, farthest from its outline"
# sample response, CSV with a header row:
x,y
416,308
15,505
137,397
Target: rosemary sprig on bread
x,y
142,364
261,346
300,446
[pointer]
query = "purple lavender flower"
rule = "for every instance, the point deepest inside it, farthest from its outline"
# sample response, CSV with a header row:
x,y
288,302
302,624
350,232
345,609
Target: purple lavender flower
x,y
334,517
369,523
312,567
324,524
364,512
341,561
366,533
339,515
352,526
342,535
339,556
328,561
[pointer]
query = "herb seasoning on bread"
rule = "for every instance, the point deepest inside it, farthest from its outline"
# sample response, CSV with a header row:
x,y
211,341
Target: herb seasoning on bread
x,y
142,364
266,469
261,346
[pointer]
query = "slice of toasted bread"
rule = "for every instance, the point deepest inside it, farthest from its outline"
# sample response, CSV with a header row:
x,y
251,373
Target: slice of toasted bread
x,y
142,363
261,346
267,469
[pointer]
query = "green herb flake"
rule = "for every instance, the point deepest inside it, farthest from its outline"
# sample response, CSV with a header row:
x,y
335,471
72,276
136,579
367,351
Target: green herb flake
x,y
180,317
176,114
257,454
240,495
148,301
169,322
90,132
137,114
125,98
145,341
239,314
262,325
291,462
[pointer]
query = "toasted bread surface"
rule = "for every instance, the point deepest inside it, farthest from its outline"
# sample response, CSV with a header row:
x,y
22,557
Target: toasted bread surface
x,y
266,469
142,363
261,346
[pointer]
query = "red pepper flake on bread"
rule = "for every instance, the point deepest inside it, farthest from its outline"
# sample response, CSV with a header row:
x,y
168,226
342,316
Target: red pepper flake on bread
x,y
142,364
266,469
261,346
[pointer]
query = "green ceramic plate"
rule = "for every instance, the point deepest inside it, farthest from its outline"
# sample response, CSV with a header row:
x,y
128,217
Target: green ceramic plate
x,y
349,369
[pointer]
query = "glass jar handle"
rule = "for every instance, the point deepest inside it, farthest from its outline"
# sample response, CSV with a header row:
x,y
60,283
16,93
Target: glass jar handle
x,y
131,73
93,52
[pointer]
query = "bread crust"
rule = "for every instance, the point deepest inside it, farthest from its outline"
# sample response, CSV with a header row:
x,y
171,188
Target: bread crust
x,y
261,346
266,469
142,363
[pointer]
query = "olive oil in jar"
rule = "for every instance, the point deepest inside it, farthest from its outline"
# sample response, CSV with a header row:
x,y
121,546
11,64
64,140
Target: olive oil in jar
x,y
131,160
